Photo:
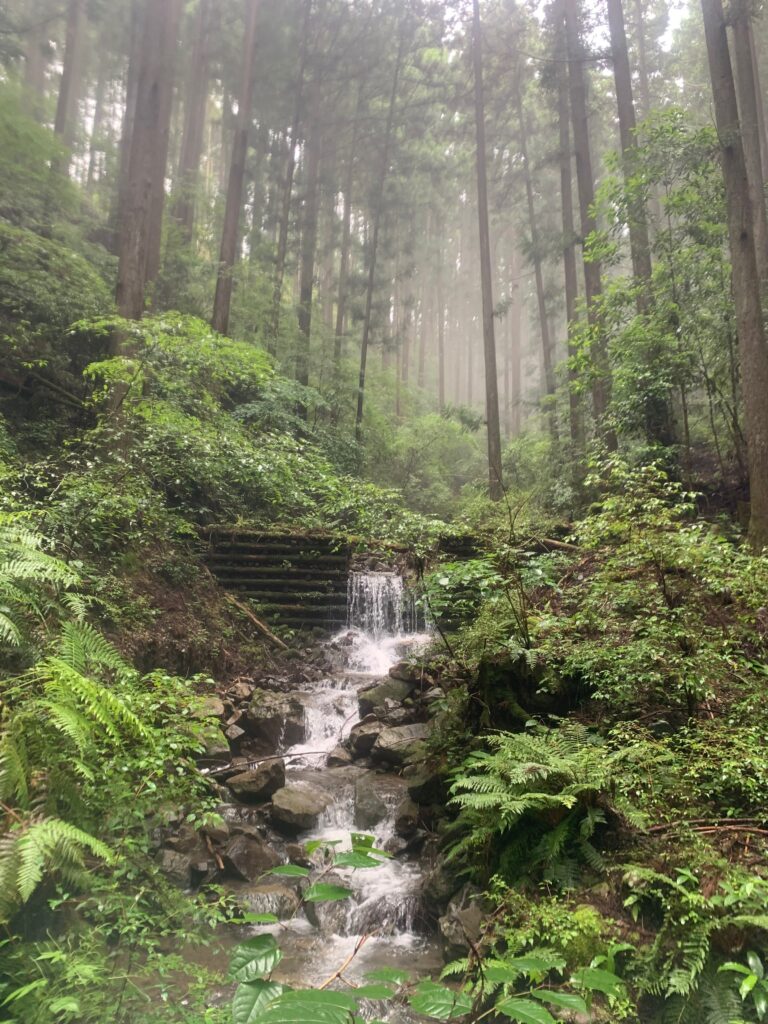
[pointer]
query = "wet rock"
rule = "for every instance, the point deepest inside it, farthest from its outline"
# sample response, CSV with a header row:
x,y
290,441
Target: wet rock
x,y
406,818
177,866
460,927
339,757
234,733
407,672
431,695
427,787
296,854
212,707
439,885
241,691
363,735
299,808
272,898
248,857
259,782
400,744
330,917
272,720
187,840
376,697
218,832
370,809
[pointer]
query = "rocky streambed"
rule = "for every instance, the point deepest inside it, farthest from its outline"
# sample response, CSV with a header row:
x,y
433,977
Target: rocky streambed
x,y
334,745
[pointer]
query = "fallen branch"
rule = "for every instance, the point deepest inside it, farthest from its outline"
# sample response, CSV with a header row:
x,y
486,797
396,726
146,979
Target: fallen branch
x,y
338,974
260,760
711,823
262,628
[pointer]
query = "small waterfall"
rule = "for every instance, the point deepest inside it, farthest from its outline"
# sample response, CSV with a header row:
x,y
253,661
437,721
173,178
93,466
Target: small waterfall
x,y
375,603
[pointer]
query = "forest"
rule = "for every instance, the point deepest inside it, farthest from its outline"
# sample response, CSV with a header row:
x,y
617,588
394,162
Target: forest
x,y
383,511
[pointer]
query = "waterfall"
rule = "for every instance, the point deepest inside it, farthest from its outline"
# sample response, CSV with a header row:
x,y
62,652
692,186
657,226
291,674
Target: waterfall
x,y
379,605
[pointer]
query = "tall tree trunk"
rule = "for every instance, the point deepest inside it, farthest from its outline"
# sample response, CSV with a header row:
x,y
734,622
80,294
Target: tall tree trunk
x,y
546,341
193,134
601,385
36,58
308,244
121,197
285,214
495,483
569,255
230,234
745,278
346,236
374,246
761,113
65,123
148,135
95,145
642,60
749,119
441,314
513,373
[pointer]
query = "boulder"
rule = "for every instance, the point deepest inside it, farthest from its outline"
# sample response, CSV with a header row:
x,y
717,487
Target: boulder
x,y
339,757
399,744
298,808
330,917
375,697
273,720
216,746
260,781
188,840
370,809
218,831
211,707
406,818
234,733
461,926
363,735
177,866
248,857
407,672
439,885
427,787
240,691
272,898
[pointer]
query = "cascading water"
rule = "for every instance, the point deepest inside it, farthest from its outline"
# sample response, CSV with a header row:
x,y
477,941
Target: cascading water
x,y
386,905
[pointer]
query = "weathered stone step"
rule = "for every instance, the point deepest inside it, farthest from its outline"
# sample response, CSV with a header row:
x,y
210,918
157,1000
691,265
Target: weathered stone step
x,y
231,577
254,555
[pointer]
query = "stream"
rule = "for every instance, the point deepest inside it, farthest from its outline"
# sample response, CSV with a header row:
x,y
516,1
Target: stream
x,y
387,907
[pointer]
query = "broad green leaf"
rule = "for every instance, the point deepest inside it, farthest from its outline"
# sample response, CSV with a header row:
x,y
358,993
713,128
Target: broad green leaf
x,y
308,1006
565,1000
524,1011
355,860
597,980
380,991
435,1000
319,844
760,999
389,974
254,958
747,985
755,963
290,871
251,998
733,966
322,892
537,964
251,918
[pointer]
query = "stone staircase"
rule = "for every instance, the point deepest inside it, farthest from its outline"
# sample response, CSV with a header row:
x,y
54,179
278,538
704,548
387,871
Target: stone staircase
x,y
297,579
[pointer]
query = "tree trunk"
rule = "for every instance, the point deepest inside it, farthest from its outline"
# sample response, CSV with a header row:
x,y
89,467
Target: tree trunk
x,y
440,323
569,255
377,210
285,215
65,123
601,385
642,60
148,136
495,483
308,245
193,134
546,341
346,237
94,145
749,119
745,278
761,122
230,234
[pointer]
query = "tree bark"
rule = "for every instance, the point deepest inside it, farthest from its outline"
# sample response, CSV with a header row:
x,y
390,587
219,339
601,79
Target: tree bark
x,y
745,279
148,136
230,234
94,145
546,341
308,246
601,385
642,60
346,237
495,482
285,214
575,421
193,134
440,322
65,122
749,118
377,211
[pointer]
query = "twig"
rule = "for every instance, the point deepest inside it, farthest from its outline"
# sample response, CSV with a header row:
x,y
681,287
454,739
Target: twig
x,y
260,760
337,974
262,628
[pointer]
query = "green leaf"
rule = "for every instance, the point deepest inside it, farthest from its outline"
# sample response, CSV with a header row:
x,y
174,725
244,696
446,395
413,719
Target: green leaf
x,y
596,980
760,999
524,1011
290,871
565,1000
389,974
308,1006
755,963
747,985
65,1004
251,998
537,964
321,892
438,1001
254,958
733,966
380,991
355,860
251,918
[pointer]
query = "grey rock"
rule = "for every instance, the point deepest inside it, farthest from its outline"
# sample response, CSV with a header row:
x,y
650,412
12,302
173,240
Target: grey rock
x,y
259,782
363,735
400,744
273,719
407,672
377,696
177,866
370,809
212,707
241,691
234,733
298,808
461,926
439,885
339,757
216,746
218,832
248,857
406,818
272,898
